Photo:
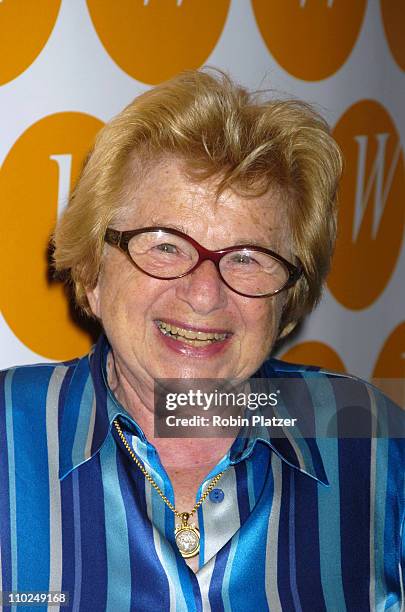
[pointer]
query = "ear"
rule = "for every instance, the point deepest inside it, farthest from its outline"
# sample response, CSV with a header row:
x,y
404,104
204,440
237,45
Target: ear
x,y
93,297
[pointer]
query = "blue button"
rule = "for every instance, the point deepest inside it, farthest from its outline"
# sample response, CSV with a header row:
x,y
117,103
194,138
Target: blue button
x,y
216,496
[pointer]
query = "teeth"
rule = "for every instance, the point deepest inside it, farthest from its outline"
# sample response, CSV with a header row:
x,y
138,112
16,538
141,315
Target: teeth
x,y
196,338
194,342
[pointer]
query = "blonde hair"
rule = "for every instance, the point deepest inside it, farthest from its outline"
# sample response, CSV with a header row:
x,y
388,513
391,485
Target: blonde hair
x,y
218,128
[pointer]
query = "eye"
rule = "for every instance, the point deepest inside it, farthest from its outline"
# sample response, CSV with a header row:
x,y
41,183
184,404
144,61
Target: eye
x,y
243,258
166,247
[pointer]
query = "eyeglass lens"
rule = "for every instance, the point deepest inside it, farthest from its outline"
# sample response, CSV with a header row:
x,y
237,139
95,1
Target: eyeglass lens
x,y
167,255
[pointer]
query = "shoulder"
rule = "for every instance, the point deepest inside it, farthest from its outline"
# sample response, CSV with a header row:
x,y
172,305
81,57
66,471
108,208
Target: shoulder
x,y
313,373
359,430
352,406
28,387
33,402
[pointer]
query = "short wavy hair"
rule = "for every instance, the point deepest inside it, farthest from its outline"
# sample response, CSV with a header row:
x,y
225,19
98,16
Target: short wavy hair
x,y
252,143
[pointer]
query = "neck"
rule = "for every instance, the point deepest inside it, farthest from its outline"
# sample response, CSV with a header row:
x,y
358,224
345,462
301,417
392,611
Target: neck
x,y
176,454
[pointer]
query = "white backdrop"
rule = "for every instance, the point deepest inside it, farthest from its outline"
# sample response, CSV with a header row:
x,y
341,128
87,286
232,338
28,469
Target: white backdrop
x,y
69,66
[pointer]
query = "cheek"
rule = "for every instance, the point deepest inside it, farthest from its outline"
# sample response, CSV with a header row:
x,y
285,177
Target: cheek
x,y
263,313
132,298
262,322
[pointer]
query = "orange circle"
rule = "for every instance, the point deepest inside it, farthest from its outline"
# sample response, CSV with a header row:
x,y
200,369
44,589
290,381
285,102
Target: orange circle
x,y
311,39
152,40
315,353
36,309
393,17
372,211
24,31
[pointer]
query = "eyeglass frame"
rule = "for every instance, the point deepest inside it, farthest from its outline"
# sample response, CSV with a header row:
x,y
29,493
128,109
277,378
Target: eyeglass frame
x,y
121,239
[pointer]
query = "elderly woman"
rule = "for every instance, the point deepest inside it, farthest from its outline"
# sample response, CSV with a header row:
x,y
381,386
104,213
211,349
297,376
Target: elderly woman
x,y
200,232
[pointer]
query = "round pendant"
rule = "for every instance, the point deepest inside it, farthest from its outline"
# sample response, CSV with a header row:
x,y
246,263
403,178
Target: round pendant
x,y
188,540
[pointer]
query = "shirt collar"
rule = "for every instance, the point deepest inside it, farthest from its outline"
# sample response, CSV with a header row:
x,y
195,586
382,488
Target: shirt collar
x,y
89,408
295,450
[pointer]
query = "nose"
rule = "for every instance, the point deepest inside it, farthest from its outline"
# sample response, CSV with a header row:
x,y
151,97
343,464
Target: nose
x,y
203,289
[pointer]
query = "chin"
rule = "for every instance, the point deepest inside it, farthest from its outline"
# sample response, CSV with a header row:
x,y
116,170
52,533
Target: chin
x,y
192,371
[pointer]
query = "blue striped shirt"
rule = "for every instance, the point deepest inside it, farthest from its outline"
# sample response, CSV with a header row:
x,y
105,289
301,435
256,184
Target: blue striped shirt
x,y
295,524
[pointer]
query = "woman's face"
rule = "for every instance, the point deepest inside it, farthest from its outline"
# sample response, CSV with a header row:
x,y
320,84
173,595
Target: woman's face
x,y
130,303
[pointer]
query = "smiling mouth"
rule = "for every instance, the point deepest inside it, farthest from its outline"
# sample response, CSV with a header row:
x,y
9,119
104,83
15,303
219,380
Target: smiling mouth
x,y
189,336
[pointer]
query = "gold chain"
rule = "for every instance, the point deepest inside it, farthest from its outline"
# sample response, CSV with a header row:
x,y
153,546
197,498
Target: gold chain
x,y
156,486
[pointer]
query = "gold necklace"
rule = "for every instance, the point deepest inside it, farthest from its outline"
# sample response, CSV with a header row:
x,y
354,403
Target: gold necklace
x,y
187,536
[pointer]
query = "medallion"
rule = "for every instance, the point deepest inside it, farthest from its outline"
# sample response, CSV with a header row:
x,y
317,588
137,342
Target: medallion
x,y
187,537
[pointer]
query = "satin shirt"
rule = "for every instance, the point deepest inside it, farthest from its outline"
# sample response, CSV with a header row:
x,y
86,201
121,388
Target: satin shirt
x,y
309,524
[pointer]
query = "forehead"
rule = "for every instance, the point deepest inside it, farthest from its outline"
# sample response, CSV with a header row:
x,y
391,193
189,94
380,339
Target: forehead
x,y
167,196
